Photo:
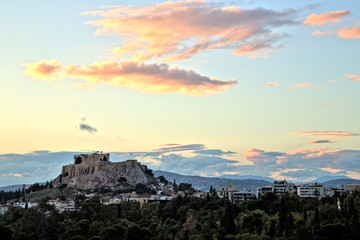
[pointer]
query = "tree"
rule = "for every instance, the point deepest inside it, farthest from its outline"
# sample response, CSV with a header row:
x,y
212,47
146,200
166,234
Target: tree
x,y
228,222
282,215
316,216
5,231
163,179
272,229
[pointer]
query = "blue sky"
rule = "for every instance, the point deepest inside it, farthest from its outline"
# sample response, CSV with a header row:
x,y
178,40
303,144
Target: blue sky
x,y
275,83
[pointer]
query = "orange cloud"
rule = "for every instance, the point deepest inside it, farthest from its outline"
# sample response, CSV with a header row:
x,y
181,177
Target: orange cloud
x,y
353,77
15,174
326,134
312,152
178,30
270,84
302,85
348,32
320,19
44,70
155,78
321,33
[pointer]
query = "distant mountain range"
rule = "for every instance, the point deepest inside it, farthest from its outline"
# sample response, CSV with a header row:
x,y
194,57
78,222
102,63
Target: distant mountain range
x,y
245,181
331,178
340,182
204,183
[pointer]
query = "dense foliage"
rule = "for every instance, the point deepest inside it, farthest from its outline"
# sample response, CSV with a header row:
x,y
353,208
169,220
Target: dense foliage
x,y
20,193
290,217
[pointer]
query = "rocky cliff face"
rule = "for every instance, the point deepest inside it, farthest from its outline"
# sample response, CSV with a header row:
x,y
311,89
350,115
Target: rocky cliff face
x,y
100,174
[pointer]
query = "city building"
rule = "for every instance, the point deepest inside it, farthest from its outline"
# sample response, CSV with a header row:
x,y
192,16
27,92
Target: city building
x,y
283,187
310,190
4,208
229,192
352,187
242,195
262,190
226,192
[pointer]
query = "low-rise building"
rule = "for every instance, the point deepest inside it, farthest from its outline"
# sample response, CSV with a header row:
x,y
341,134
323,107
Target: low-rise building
x,y
242,195
226,192
229,192
283,187
4,208
352,187
262,190
310,190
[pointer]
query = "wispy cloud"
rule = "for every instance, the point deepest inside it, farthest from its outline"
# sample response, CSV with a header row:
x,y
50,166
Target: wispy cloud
x,y
326,134
302,85
320,19
154,78
271,84
321,141
322,33
178,30
179,147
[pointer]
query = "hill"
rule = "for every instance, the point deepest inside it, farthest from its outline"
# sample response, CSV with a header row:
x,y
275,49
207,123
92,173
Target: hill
x,y
204,183
13,187
340,182
331,178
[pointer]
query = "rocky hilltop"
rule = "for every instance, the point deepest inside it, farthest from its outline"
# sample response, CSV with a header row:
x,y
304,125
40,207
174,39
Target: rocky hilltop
x,y
91,171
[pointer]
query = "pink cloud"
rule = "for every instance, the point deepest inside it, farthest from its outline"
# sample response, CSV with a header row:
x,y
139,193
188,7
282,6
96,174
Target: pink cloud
x,y
178,30
302,85
154,78
270,84
44,70
353,77
349,32
321,33
320,19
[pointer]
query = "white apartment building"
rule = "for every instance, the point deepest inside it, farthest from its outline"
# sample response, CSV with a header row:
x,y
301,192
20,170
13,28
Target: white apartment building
x,y
310,190
262,190
283,187
242,195
229,192
226,192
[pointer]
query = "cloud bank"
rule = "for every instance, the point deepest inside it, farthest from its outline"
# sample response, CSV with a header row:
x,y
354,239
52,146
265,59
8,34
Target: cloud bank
x,y
178,30
196,159
153,78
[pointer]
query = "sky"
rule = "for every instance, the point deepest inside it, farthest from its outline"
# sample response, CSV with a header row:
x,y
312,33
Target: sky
x,y
206,88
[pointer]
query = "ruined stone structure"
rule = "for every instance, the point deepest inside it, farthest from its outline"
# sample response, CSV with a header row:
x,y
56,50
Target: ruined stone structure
x,y
91,171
